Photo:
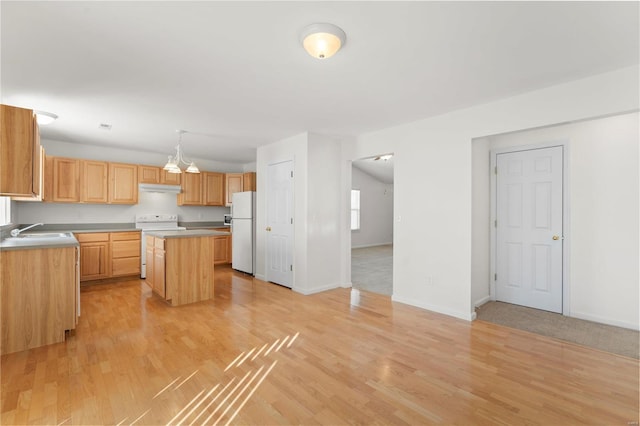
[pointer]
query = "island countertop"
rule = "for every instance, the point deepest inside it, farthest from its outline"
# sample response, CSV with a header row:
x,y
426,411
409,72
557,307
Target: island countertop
x,y
189,233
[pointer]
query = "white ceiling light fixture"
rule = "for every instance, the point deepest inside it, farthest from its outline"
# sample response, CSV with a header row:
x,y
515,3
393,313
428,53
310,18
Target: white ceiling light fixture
x,y
44,117
385,157
173,163
322,41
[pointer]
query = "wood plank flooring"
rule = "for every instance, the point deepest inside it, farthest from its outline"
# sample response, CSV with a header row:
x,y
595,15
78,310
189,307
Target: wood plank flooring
x,y
261,354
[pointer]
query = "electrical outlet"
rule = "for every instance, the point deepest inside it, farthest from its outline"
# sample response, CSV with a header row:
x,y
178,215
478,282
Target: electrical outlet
x,y
429,280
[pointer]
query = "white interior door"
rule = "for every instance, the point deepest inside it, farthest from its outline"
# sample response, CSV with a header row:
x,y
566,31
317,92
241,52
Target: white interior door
x,y
280,223
529,228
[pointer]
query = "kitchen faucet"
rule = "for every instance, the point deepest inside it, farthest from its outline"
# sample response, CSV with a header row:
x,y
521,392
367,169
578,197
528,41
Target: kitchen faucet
x,y
16,232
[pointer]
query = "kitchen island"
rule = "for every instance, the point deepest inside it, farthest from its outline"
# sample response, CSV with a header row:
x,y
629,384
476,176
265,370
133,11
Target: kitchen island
x,y
40,290
180,266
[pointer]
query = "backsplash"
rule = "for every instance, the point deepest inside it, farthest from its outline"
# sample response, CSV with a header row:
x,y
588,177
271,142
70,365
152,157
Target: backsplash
x,y
148,202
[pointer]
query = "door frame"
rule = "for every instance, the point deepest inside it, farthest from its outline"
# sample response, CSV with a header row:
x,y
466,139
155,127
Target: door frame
x,y
565,216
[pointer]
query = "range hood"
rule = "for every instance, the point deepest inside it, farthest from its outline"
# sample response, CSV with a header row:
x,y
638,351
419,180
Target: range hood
x,y
152,187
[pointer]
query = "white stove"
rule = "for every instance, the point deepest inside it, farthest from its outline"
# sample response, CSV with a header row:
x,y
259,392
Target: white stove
x,y
154,222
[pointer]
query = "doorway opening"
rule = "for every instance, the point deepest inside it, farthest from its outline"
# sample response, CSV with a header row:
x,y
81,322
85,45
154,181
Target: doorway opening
x,y
372,224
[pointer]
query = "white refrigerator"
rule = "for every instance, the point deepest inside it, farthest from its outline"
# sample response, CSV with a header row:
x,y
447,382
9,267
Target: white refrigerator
x,y
243,231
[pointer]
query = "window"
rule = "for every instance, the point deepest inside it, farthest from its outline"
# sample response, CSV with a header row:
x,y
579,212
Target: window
x,y
5,211
355,209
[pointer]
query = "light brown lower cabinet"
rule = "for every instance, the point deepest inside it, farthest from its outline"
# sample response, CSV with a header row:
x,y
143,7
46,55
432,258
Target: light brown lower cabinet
x,y
182,271
108,254
125,253
94,255
39,294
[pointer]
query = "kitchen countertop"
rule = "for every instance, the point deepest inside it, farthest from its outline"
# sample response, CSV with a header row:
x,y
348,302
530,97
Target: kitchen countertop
x,y
87,227
202,225
185,234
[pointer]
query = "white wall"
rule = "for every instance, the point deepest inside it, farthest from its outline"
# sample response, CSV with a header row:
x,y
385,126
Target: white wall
x,y
376,210
433,179
317,216
481,221
290,149
603,206
29,212
324,232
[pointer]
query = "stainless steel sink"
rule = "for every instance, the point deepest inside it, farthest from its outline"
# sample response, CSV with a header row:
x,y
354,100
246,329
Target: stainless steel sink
x,y
44,238
45,235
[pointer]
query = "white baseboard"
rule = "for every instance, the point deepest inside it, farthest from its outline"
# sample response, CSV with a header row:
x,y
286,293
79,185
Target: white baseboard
x,y
456,314
314,290
372,245
347,285
603,320
482,301
261,277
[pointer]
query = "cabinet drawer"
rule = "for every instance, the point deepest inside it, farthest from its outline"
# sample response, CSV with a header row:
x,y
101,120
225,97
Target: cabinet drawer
x,y
120,249
159,243
125,266
123,236
92,237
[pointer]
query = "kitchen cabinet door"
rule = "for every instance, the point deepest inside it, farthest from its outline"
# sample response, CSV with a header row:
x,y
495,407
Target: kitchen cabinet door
x,y
123,183
233,184
213,188
149,174
249,181
94,181
191,194
66,180
93,260
18,150
38,302
149,266
159,273
221,249
167,178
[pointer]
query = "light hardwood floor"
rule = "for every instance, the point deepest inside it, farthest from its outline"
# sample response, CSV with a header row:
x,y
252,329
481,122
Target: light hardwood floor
x,y
261,354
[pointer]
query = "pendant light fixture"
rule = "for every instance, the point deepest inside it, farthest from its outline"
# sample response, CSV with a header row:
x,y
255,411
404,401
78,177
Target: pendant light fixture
x,y
173,163
322,41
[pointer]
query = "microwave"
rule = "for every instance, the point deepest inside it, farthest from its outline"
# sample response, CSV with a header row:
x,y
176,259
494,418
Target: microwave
x,y
227,220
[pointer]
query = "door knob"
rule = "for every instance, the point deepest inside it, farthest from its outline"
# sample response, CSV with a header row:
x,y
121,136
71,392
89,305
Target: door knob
x,y
555,237
268,229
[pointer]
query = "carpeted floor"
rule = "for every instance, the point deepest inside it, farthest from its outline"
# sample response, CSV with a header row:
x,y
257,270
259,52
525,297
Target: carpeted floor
x,y
372,269
621,341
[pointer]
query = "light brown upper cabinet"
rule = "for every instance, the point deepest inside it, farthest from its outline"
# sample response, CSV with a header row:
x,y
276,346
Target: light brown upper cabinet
x,y
94,181
66,180
249,181
153,174
148,174
19,153
233,184
191,194
213,187
123,183
167,178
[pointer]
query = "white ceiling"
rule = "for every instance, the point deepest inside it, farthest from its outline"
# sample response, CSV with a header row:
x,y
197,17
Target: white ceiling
x,y
235,75
380,169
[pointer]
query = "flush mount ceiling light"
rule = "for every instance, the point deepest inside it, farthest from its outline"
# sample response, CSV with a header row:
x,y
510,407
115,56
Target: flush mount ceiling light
x,y
385,157
322,41
173,164
44,117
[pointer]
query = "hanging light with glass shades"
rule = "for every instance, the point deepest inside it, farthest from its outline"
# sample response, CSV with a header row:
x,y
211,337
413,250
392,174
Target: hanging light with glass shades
x,y
173,163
